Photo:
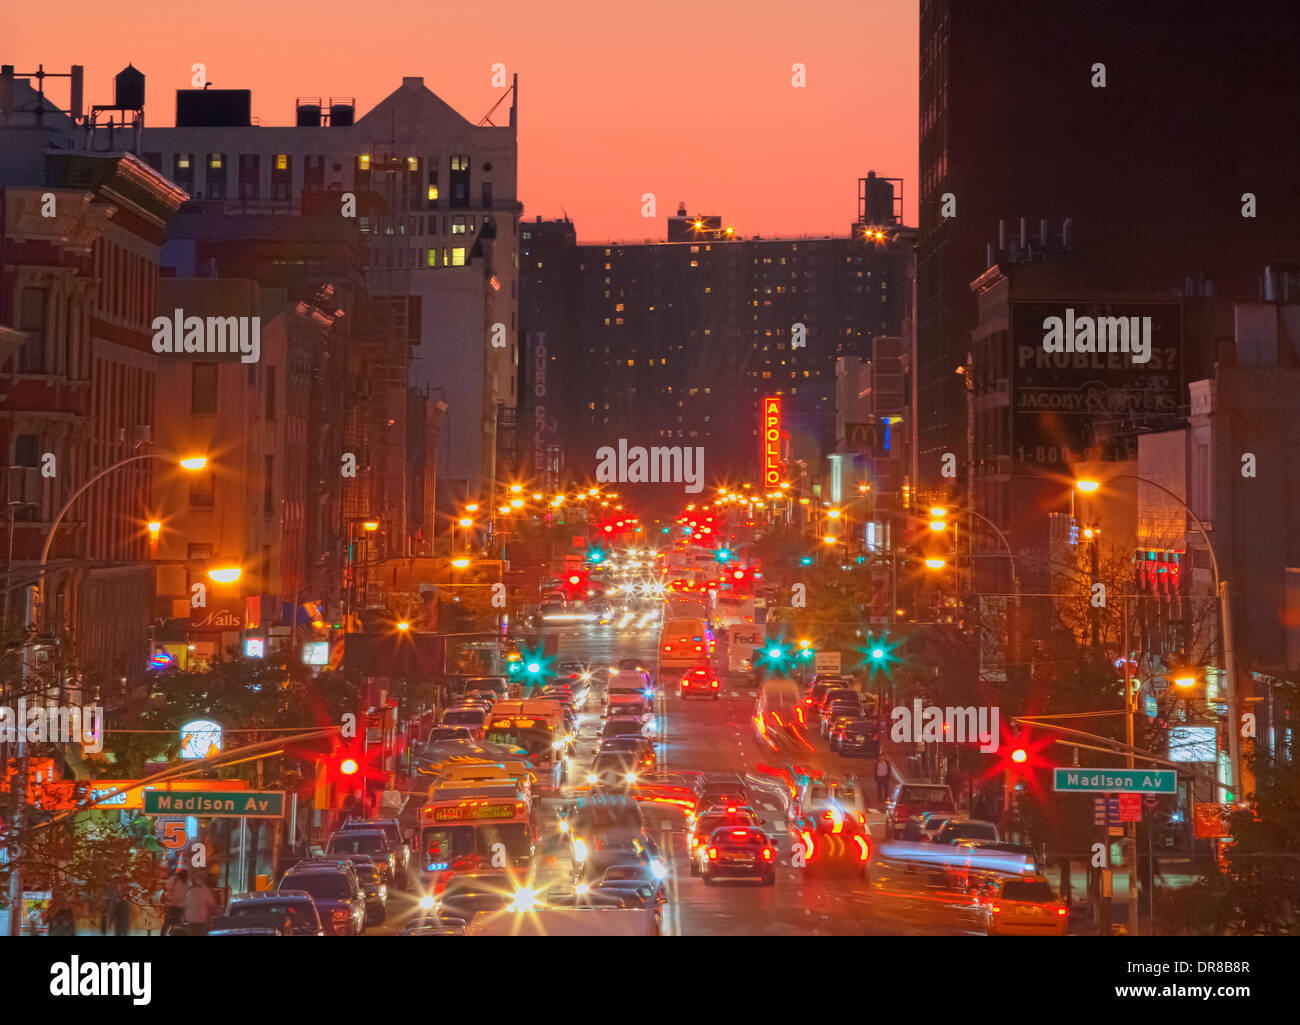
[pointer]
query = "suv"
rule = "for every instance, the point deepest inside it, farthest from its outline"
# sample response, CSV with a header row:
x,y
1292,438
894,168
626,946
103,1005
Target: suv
x,y
334,889
365,840
956,830
911,799
738,851
715,787
392,829
295,905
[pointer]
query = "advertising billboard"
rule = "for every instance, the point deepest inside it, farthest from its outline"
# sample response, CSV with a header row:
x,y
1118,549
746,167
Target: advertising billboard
x,y
1064,402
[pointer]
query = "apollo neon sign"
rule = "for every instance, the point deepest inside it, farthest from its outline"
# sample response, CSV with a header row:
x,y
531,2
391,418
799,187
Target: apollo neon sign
x,y
771,442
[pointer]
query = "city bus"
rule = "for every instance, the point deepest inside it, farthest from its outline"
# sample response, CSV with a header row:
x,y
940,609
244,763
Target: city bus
x,y
468,826
685,643
542,737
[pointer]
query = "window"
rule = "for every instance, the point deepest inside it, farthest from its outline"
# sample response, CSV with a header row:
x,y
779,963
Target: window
x,y
458,224
487,195
313,171
250,176
203,489
458,256
281,177
460,181
433,258
183,170
198,551
27,450
203,393
31,317
268,491
215,184
270,393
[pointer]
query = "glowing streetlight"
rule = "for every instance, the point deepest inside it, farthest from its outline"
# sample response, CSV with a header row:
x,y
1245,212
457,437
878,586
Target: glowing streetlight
x,y
1087,485
830,539
472,507
833,513
935,563
937,525
516,503
225,575
516,488
938,512
460,563
1185,682
370,526
154,528
403,625
194,462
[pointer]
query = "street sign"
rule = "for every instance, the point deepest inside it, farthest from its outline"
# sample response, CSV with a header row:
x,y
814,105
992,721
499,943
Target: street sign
x,y
1112,810
1130,807
826,662
251,804
1213,821
1131,781
1099,811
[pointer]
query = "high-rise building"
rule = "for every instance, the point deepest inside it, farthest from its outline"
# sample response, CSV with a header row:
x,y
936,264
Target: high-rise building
x,y
435,201
676,343
1109,119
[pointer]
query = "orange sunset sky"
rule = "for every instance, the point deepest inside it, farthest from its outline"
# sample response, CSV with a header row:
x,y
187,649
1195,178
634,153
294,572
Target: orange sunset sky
x,y
690,100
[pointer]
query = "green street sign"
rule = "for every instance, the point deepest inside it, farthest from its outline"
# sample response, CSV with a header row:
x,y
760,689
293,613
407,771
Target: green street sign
x,y
1116,781
239,804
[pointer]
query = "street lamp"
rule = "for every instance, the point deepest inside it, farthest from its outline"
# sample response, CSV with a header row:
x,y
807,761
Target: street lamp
x,y
225,574
935,563
1225,612
460,563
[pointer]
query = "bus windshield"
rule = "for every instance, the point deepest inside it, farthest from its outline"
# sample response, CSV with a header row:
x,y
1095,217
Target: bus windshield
x,y
536,742
442,844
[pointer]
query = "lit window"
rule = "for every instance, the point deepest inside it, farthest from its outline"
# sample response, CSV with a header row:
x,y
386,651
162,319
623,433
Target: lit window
x,y
214,161
458,256
364,161
282,161
412,163
433,257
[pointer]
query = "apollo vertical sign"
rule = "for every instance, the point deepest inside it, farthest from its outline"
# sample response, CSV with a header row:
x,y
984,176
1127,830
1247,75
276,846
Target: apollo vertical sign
x,y
771,442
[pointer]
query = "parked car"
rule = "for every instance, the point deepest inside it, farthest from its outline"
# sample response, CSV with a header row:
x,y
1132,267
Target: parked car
x,y
297,905
336,892
909,799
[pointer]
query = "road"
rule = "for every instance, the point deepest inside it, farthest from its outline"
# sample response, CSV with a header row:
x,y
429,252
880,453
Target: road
x,y
716,736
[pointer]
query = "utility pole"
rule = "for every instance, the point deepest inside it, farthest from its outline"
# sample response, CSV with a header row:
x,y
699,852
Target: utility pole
x,y
1130,828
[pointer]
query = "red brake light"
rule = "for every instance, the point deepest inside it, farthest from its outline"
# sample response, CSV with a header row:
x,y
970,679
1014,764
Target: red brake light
x,y
767,853
742,833
713,854
996,908
714,683
1061,911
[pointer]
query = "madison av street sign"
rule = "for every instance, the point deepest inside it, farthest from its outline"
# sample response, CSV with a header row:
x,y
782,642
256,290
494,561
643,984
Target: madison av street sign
x,y
1116,781
250,804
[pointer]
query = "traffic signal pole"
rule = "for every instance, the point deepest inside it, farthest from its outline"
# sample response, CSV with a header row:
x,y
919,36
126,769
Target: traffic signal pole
x,y
1130,828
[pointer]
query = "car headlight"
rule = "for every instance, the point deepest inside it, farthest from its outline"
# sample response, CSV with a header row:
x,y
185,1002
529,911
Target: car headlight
x,y
564,826
591,777
579,850
426,903
557,744
658,869
631,777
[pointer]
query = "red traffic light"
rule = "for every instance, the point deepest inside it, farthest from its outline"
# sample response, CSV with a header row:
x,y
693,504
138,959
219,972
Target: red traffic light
x,y
575,579
1019,755
348,767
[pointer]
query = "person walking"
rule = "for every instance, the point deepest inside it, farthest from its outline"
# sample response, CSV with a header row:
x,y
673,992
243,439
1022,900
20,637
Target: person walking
x,y
884,776
174,900
199,905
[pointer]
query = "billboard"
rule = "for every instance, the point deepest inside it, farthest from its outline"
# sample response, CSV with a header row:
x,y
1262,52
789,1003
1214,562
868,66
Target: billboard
x,y
771,435
1063,403
1193,743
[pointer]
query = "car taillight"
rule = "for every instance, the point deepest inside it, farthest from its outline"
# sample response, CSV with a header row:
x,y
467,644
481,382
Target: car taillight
x,y
767,853
695,842
996,908
714,684
863,848
713,854
1062,911
668,647
698,648
340,915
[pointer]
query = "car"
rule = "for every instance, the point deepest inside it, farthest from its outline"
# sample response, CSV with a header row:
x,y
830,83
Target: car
x,y
440,733
712,820
634,873
370,876
621,726
634,665
626,885
614,769
498,684
641,747
297,905
610,849
391,828
346,842
910,799
583,896
822,797
925,827
714,787
629,683
955,830
853,735
252,925
832,840
1023,907
452,927
738,852
837,695
629,705
700,681
838,710
335,890
596,815
468,893
473,718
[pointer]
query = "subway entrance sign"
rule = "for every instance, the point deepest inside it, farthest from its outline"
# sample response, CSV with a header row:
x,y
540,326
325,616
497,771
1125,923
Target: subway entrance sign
x,y
250,804
1116,781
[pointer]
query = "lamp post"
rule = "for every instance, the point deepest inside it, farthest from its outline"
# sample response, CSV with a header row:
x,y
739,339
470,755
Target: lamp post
x,y
36,598
1225,612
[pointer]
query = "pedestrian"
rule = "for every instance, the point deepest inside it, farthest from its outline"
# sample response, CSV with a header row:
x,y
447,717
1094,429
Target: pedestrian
x,y
174,899
884,776
199,905
110,915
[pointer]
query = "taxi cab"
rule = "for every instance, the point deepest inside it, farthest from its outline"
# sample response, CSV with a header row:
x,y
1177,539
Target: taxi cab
x,y
1023,907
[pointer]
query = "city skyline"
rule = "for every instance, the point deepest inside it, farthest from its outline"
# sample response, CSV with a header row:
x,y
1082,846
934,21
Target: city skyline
x,y
595,133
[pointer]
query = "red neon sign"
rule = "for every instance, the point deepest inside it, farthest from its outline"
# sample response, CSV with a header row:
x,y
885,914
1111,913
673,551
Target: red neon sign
x,y
771,442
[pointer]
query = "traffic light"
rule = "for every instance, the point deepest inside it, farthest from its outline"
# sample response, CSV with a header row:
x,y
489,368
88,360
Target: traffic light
x,y
348,767
878,655
775,656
